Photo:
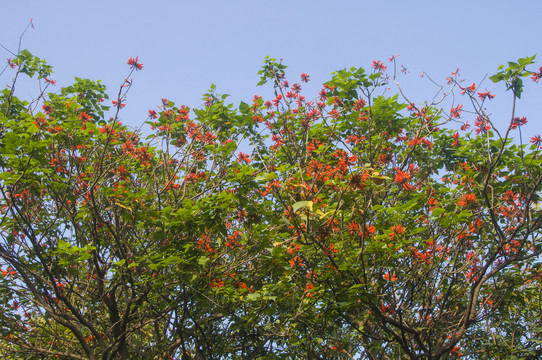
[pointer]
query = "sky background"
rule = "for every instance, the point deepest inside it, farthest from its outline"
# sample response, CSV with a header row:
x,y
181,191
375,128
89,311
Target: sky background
x,y
187,45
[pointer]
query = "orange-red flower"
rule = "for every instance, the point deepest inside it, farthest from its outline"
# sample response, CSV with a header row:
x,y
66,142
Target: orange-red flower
x,y
352,228
468,90
537,75
134,65
378,65
242,157
456,111
396,230
536,140
485,95
387,277
467,199
296,261
308,289
402,177
517,122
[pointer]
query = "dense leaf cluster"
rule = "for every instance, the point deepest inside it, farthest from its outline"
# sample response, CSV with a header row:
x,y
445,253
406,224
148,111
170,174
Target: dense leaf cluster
x,y
353,225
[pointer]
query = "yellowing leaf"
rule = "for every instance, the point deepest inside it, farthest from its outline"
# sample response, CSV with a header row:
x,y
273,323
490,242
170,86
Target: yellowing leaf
x,y
300,204
124,206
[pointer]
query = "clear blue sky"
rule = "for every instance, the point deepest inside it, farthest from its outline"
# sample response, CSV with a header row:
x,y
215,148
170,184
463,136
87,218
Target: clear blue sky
x,y
187,45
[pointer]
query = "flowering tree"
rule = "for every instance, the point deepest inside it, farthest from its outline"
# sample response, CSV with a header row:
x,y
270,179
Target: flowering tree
x,y
354,225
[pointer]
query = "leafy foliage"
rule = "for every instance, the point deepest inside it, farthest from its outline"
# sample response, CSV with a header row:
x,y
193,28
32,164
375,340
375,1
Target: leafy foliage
x,y
350,226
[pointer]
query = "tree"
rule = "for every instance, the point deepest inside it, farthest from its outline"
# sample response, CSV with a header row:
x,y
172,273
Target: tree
x,y
356,225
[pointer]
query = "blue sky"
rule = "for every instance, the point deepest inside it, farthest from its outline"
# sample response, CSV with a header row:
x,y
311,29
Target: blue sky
x,y
187,45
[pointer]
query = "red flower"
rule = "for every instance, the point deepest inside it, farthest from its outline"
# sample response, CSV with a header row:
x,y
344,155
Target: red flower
x,y
517,122
242,157
391,278
153,114
305,78
467,199
537,75
484,95
84,116
456,140
352,228
402,178
468,90
47,109
379,65
456,111
482,125
52,82
536,140
386,309
217,283
296,261
277,100
465,126
134,64
11,65
396,230
510,197
118,102
308,288
233,240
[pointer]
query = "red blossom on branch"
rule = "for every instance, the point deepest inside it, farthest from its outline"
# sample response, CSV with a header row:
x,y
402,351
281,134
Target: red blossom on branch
x,y
468,90
134,65
402,178
456,140
485,95
456,111
517,122
379,65
467,199
537,140
242,157
482,125
118,103
537,75
396,230
296,261
391,278
52,82
153,114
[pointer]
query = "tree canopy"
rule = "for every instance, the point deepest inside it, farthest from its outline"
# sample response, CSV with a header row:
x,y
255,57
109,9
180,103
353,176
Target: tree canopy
x,y
352,225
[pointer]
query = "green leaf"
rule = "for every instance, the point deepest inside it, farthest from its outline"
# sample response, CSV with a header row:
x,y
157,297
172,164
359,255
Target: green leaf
x,y
84,256
497,77
266,176
437,212
254,296
244,107
202,260
120,262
